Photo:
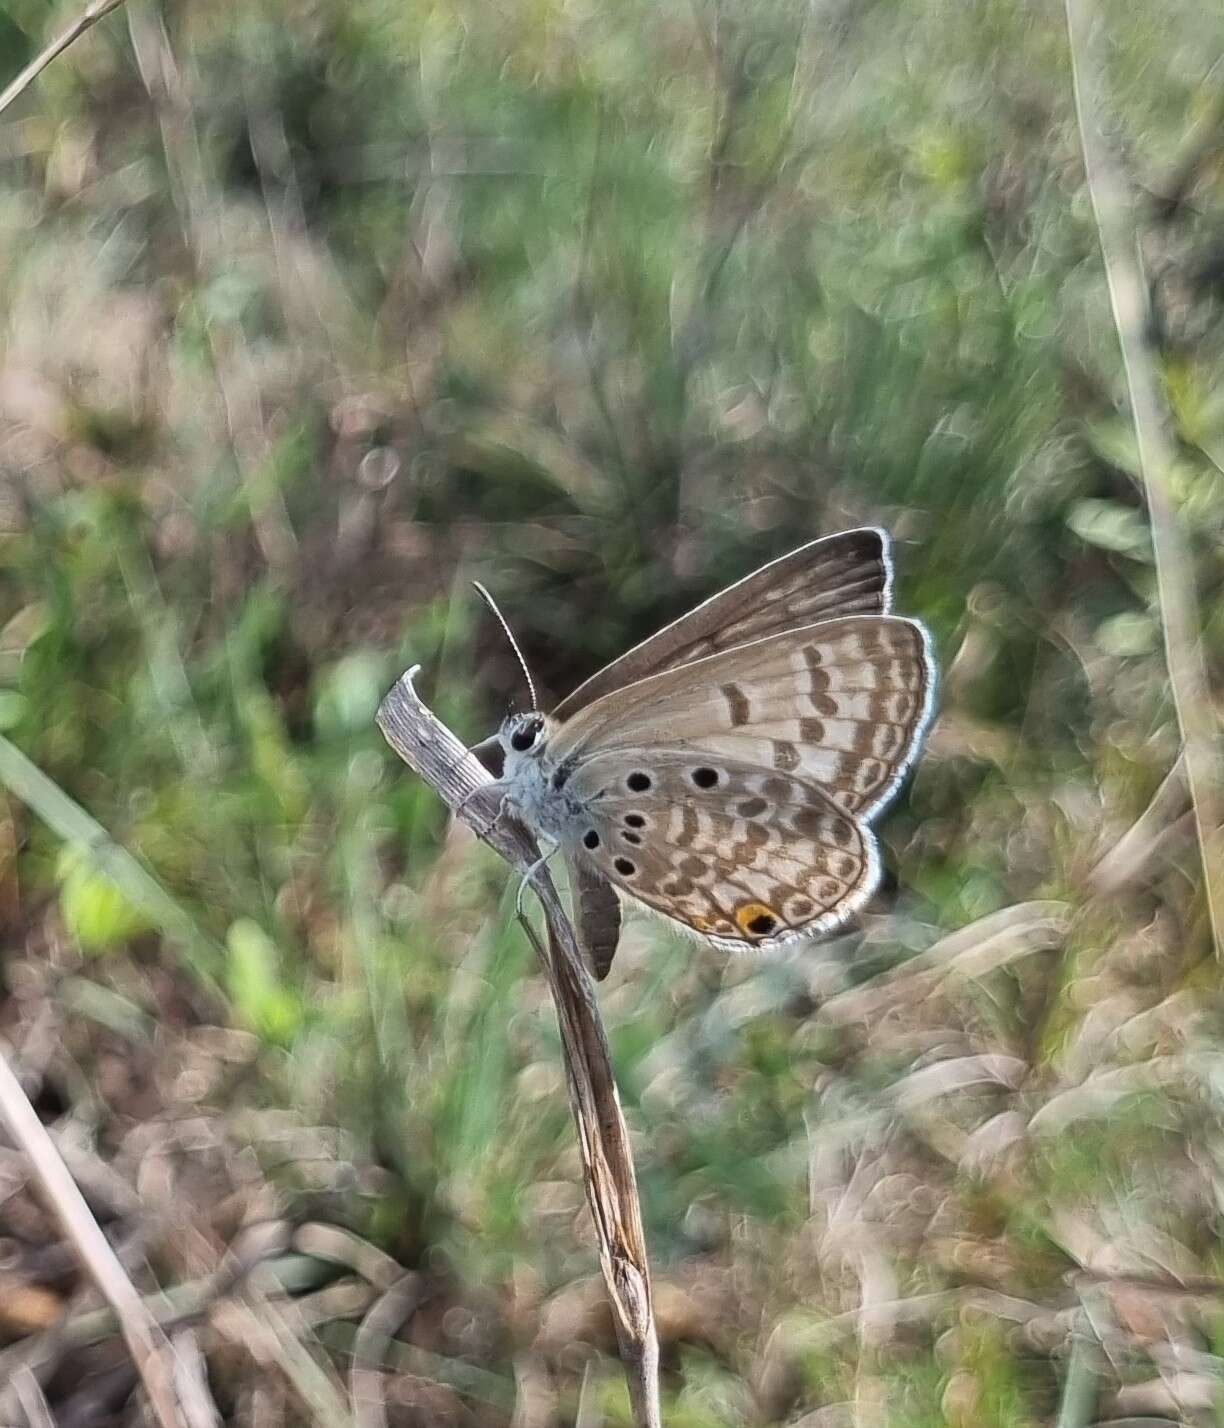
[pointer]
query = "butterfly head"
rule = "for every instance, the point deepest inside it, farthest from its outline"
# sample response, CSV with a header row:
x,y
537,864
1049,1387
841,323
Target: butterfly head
x,y
519,742
528,775
522,735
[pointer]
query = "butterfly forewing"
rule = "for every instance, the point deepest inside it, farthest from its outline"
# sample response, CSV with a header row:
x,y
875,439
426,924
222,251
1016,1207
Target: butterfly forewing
x,y
746,857
843,705
844,574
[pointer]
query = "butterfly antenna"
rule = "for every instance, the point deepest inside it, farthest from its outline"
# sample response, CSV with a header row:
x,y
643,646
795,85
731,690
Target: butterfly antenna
x,y
514,644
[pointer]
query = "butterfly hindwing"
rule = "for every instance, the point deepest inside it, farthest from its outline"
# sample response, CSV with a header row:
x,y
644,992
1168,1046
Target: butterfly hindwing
x,y
843,705
843,574
747,857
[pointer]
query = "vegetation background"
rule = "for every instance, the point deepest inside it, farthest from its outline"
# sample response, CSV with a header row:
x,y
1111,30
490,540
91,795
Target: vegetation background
x,y
311,313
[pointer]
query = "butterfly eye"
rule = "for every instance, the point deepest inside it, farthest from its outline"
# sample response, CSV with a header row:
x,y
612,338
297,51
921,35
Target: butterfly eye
x,y
525,735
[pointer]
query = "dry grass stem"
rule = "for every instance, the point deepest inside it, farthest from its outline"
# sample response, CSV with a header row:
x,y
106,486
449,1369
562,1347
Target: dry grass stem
x,y
167,1309
191,1380
1080,1382
997,940
378,1328
29,1394
1156,834
466,1378
1180,619
430,749
274,1331
339,1246
147,1344
84,21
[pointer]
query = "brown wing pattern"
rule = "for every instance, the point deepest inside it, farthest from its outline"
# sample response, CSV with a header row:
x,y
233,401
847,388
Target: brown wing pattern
x,y
843,574
756,860
843,704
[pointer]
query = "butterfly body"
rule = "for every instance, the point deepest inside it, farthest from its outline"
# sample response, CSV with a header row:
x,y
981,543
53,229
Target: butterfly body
x,y
725,773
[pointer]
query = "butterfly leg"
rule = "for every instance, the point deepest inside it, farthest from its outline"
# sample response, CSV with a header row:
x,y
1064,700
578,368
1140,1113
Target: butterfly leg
x,y
529,876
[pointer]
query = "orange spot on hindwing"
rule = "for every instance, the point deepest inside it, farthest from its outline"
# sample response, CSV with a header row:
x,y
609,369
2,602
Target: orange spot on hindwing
x,y
754,919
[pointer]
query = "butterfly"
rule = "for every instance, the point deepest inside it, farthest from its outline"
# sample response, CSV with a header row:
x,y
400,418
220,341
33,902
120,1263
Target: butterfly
x,y
726,772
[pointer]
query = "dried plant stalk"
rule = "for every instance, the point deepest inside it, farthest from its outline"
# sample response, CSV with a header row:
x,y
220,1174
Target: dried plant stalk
x,y
88,17
150,1350
431,750
1179,613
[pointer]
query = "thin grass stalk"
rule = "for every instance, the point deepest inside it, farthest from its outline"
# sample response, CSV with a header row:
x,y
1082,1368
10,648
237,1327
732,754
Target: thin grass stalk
x,y
370,1346
28,1392
284,1274
147,1344
84,21
1179,614
65,817
1075,1408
